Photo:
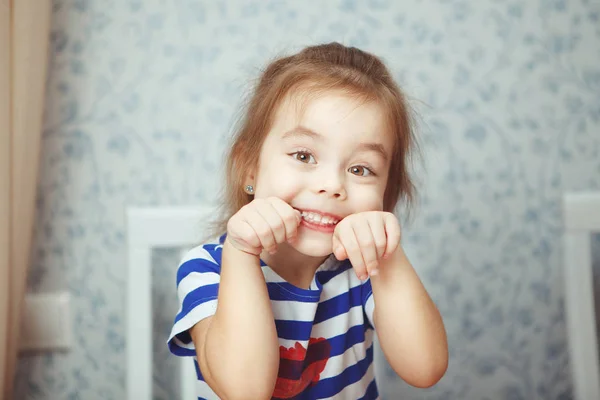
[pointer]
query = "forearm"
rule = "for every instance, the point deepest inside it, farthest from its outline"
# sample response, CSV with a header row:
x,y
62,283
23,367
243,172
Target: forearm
x,y
409,326
241,342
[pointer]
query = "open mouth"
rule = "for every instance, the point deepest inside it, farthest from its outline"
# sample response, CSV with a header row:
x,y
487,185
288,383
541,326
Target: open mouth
x,y
320,219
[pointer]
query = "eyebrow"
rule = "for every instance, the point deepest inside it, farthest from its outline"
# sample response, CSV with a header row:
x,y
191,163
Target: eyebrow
x,y
374,147
300,131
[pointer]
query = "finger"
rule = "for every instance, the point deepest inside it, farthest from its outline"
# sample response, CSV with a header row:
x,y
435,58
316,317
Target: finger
x,y
350,243
262,229
249,236
274,220
291,217
364,236
377,225
338,250
393,234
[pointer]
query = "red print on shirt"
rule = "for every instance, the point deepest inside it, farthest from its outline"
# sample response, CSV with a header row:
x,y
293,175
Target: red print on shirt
x,y
299,368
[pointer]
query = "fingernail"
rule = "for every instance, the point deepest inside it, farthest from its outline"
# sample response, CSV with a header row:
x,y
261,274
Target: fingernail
x,y
374,272
363,277
372,265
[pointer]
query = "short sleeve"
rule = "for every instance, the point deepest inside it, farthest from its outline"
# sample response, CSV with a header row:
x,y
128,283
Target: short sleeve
x,y
198,278
368,302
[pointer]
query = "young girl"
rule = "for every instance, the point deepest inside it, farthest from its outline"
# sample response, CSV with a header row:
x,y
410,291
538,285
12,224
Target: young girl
x,y
283,305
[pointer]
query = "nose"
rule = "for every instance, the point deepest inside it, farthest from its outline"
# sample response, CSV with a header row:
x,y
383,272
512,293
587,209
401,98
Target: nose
x,y
332,185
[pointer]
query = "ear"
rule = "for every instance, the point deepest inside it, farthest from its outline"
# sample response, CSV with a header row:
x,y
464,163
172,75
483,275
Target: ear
x,y
249,179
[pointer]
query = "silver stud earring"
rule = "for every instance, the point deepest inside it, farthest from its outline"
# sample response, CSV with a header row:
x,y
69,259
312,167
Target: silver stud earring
x,y
249,189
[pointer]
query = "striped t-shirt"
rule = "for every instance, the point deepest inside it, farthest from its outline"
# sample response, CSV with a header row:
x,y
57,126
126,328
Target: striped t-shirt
x,y
325,332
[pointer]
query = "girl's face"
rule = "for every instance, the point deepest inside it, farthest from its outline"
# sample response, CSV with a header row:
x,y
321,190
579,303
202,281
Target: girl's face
x,y
329,161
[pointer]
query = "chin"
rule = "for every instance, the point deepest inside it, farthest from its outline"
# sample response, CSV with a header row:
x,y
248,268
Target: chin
x,y
313,246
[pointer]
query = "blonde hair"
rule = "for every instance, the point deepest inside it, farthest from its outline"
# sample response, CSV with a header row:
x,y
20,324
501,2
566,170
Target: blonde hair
x,y
319,68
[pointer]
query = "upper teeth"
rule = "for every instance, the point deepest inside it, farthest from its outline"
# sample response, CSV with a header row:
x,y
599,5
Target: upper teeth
x,y
318,218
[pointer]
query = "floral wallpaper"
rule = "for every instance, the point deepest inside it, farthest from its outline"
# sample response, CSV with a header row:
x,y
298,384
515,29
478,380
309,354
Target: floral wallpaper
x,y
141,99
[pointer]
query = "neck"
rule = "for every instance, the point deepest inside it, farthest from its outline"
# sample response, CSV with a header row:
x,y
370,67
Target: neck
x,y
296,268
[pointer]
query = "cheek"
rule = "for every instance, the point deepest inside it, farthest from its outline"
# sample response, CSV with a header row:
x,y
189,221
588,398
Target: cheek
x,y
368,200
275,181
288,189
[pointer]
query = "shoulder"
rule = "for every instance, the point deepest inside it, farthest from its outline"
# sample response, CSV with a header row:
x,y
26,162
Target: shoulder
x,y
205,257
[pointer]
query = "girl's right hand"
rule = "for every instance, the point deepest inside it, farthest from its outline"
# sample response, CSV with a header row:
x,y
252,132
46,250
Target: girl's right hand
x,y
263,224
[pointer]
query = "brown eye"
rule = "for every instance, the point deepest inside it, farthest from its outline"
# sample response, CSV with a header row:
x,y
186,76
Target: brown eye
x,y
360,170
304,157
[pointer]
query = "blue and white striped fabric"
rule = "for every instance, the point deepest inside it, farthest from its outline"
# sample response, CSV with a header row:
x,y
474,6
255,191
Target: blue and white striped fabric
x,y
325,332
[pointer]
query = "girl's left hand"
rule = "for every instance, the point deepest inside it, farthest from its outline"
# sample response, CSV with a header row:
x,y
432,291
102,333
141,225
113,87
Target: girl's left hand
x,y
366,238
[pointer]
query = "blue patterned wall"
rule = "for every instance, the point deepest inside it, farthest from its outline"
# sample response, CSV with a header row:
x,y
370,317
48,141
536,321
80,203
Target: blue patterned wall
x,y
142,95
